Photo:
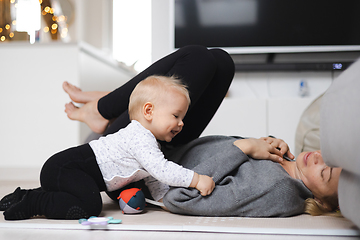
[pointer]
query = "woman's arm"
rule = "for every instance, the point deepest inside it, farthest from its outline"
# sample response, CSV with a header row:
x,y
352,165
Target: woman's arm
x,y
264,148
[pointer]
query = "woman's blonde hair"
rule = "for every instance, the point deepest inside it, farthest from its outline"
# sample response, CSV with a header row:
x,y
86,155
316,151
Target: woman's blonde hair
x,y
315,208
151,89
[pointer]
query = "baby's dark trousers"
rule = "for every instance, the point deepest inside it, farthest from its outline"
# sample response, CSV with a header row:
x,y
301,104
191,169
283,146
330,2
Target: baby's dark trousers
x,y
71,183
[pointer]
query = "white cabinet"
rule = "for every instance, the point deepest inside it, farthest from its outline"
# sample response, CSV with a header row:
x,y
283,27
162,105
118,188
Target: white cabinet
x,y
33,124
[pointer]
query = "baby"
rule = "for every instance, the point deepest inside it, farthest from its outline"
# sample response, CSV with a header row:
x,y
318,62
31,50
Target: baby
x,y
71,180
157,106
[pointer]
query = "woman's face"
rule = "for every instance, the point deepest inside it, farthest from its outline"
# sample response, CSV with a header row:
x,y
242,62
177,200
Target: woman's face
x,y
321,179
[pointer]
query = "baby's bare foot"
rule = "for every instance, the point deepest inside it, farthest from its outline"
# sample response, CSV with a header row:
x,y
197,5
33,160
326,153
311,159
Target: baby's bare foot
x,y
78,96
87,114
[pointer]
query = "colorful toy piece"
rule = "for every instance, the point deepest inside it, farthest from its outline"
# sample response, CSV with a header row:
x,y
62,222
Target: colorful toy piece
x,y
132,201
99,221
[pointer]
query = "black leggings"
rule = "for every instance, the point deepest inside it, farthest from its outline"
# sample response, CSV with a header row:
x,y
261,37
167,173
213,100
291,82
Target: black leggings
x,y
71,183
208,75
71,180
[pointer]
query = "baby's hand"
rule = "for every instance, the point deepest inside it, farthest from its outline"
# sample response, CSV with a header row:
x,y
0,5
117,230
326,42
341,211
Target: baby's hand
x,y
205,185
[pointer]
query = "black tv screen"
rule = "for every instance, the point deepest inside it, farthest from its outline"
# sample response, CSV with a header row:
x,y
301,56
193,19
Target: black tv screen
x,y
269,25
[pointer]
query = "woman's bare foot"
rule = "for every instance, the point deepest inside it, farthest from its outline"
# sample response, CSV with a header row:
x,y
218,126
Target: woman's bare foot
x,y
87,114
78,96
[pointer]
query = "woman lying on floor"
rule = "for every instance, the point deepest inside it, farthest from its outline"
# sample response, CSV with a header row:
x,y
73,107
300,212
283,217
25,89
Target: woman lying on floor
x,y
244,186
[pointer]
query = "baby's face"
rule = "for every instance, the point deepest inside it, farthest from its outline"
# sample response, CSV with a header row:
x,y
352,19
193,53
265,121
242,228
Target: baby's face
x,y
168,115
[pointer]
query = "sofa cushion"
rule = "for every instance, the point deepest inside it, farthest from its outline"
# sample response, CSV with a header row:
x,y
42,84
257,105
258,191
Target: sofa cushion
x,y
307,137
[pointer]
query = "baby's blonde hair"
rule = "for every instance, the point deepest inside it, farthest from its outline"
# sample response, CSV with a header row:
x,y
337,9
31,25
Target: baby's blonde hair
x,y
151,89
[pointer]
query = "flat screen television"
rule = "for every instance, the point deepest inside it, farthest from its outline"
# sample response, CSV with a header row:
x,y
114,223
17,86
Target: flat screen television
x,y
269,26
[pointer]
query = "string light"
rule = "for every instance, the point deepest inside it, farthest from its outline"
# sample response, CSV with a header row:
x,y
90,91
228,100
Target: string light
x,y
64,32
62,18
58,24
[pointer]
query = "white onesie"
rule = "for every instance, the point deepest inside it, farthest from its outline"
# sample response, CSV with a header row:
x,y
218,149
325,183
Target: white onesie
x,y
132,154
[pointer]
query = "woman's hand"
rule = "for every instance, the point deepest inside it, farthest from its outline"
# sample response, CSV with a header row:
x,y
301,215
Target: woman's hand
x,y
264,148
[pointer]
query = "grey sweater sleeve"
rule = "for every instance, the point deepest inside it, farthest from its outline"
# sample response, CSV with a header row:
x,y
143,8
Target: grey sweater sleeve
x,y
214,156
244,187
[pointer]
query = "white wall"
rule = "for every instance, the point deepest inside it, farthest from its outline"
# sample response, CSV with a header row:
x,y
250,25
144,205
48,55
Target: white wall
x,y
267,103
92,23
32,102
162,13
33,124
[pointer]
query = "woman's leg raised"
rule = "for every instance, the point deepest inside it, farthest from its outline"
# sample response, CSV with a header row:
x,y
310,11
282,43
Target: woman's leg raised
x,y
78,96
195,65
207,73
87,114
204,108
